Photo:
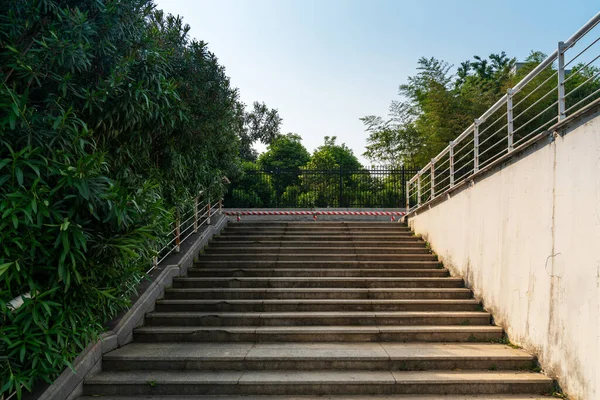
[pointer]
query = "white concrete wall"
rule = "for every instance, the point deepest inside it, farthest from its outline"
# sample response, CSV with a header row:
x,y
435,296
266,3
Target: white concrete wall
x,y
526,238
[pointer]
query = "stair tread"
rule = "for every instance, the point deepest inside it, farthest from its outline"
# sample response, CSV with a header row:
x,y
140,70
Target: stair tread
x,y
374,397
331,377
408,262
325,290
319,301
322,314
315,351
316,329
309,270
318,278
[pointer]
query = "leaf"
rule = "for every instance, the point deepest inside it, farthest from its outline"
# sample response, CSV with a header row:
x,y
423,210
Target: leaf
x,y
19,174
15,221
4,267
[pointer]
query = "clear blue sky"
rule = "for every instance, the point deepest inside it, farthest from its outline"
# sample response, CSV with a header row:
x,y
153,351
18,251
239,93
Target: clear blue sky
x,y
325,63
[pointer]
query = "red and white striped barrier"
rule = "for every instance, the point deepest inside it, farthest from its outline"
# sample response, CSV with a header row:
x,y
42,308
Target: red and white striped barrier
x,y
392,214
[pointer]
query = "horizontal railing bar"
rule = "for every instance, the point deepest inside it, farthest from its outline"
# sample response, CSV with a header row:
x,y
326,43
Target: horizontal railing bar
x,y
536,89
584,83
582,51
578,72
584,99
539,114
553,90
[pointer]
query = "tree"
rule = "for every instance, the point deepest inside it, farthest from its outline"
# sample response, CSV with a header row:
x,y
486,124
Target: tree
x,y
261,124
253,189
438,107
285,155
327,179
342,155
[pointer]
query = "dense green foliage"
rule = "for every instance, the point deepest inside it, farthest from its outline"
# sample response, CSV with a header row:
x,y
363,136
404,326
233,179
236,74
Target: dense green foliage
x,y
439,105
111,117
285,153
286,175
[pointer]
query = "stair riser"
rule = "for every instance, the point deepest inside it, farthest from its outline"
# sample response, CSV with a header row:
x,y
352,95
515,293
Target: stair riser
x,y
371,388
317,257
315,272
438,283
318,224
223,243
320,264
224,307
317,235
224,320
317,228
360,295
330,364
314,250
317,232
356,237
223,336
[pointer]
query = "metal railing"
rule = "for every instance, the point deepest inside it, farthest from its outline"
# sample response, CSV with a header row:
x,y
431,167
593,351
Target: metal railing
x,y
547,95
186,224
374,187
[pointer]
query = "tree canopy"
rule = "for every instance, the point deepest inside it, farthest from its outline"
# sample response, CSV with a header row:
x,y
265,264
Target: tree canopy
x,y
438,106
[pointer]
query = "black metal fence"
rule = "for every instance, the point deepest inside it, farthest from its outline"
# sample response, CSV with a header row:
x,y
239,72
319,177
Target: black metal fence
x,y
375,187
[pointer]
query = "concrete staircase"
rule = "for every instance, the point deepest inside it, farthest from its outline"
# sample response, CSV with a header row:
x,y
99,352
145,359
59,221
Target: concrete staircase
x,y
350,310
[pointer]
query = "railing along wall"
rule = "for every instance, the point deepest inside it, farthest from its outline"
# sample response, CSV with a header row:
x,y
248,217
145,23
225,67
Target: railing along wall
x,y
198,214
550,94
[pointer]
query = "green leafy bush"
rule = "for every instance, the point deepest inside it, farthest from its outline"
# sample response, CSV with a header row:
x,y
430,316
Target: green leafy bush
x,y
110,119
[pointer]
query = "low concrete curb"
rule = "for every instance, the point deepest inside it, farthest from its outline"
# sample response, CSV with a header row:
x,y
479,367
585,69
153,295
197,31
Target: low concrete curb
x,y
69,384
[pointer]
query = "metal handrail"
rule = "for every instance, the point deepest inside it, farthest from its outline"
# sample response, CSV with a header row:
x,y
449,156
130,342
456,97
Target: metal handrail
x,y
200,215
423,195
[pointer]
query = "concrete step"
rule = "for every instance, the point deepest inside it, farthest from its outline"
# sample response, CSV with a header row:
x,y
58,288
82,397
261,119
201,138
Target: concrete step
x,y
319,234
315,305
326,397
318,293
316,257
352,264
332,333
318,382
219,242
317,230
317,272
318,223
319,226
338,318
219,249
311,282
312,356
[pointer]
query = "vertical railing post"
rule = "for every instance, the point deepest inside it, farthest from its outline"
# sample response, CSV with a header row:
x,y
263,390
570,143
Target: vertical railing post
x,y
432,178
178,233
195,215
451,161
220,206
476,146
561,81
209,213
341,188
418,188
155,262
407,195
509,116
